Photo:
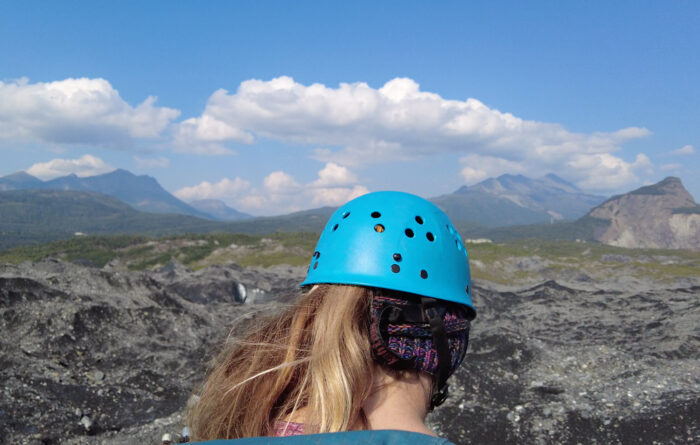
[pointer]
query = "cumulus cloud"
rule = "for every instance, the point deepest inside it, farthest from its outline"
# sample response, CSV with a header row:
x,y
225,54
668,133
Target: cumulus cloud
x,y
280,182
159,162
333,175
86,166
226,190
76,111
684,151
335,196
281,192
355,124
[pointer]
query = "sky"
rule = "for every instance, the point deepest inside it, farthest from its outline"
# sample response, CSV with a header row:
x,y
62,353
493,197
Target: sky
x,y
278,106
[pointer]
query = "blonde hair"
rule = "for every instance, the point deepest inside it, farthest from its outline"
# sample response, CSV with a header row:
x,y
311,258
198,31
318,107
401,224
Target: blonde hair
x,y
315,355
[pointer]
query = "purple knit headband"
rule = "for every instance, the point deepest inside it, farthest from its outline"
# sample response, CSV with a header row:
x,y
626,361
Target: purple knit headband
x,y
405,345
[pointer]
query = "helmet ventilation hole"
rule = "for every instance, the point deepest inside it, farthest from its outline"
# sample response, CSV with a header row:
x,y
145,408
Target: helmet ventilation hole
x,y
335,227
397,257
317,254
467,288
395,268
423,274
315,265
346,214
430,237
419,220
409,233
376,214
379,228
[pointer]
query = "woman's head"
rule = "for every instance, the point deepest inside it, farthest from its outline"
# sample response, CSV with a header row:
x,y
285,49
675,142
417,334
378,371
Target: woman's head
x,y
388,285
401,242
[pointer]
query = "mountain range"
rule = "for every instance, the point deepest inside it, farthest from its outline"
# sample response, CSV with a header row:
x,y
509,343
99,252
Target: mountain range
x,y
508,207
142,193
516,199
503,201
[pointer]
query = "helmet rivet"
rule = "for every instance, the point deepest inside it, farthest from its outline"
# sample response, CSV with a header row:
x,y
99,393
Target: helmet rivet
x,y
419,220
395,268
409,233
397,257
430,236
376,214
423,274
379,228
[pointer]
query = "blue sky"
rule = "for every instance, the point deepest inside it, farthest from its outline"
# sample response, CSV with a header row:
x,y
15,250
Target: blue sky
x,y
279,106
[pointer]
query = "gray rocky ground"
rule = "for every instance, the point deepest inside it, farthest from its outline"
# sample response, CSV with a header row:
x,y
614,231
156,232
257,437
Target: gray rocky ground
x,y
110,356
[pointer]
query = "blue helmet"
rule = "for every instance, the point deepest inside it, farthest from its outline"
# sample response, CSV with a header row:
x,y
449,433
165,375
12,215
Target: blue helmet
x,y
396,241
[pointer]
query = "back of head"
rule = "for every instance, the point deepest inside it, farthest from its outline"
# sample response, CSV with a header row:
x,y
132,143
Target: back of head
x,y
388,283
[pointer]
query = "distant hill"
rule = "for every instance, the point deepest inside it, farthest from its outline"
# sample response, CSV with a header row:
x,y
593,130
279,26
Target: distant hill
x,y
515,200
218,210
142,192
663,215
36,216
313,220
550,194
19,180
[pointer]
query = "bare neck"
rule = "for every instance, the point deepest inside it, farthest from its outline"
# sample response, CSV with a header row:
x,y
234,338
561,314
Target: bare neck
x,y
399,404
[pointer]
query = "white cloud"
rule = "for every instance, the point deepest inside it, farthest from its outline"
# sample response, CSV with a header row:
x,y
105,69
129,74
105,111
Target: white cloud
x,y
226,190
603,172
205,135
76,111
355,124
684,151
160,162
335,175
280,182
280,192
335,196
86,166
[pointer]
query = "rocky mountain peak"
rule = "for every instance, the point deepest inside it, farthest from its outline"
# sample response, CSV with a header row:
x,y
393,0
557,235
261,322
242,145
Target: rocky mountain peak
x,y
524,200
662,215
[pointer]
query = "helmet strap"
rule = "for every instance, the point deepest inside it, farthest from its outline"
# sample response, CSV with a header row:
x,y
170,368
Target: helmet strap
x,y
437,327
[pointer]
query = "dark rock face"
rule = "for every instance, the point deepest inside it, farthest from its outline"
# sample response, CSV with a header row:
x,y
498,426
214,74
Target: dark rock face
x,y
88,351
553,364
105,356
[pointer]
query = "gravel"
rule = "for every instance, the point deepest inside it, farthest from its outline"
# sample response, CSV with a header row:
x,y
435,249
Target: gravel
x,y
107,356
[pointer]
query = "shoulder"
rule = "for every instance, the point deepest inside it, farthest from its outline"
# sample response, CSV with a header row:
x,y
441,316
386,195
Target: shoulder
x,y
378,437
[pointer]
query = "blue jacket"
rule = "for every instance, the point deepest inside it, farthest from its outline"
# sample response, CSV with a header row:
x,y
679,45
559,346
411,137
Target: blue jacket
x,y
365,437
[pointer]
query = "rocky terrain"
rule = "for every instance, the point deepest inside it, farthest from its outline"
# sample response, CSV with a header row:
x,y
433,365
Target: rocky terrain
x,y
106,355
662,215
